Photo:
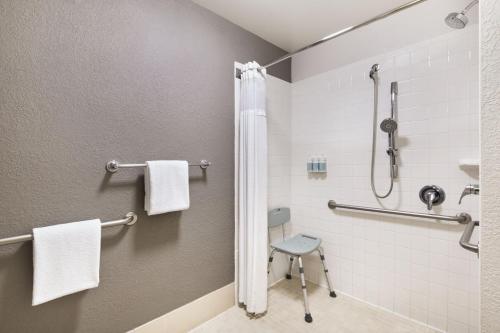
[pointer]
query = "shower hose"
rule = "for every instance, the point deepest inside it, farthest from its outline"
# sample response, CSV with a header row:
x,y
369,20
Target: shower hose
x,y
374,145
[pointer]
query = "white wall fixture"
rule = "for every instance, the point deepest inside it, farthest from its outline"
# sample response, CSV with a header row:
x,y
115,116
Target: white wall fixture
x,y
468,162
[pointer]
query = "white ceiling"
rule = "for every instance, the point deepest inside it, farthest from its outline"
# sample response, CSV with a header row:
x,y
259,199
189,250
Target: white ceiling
x,y
291,24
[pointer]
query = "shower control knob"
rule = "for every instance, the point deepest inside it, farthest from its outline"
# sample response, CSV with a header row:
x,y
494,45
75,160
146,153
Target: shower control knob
x,y
432,195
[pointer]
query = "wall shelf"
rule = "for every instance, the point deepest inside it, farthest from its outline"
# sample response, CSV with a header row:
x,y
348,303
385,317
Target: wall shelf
x,y
468,163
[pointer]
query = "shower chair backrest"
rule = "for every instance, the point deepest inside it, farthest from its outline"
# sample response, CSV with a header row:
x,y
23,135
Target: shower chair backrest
x,y
278,217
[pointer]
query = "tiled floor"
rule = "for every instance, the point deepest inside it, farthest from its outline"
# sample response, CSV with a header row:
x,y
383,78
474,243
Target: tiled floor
x,y
285,314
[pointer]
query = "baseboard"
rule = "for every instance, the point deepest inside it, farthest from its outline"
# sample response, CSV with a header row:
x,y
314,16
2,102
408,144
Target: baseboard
x,y
275,282
389,311
193,314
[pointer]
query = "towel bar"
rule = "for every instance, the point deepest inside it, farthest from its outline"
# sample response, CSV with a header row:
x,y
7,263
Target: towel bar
x,y
113,165
130,219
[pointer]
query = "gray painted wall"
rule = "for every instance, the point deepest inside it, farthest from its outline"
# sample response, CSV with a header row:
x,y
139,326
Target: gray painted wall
x,y
83,82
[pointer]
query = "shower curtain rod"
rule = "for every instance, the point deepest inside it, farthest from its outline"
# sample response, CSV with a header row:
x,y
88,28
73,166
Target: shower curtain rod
x,y
344,31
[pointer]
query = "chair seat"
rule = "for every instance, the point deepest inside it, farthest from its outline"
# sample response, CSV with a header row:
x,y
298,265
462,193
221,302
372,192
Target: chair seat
x,y
298,245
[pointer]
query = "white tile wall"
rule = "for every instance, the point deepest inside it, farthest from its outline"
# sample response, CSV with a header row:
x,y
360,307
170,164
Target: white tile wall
x,y
409,266
279,158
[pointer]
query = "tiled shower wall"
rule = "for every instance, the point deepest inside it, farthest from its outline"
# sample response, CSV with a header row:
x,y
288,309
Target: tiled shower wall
x,y
410,266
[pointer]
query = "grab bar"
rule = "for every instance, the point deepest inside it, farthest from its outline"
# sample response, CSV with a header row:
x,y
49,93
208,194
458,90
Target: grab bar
x,y
462,218
113,165
130,219
466,236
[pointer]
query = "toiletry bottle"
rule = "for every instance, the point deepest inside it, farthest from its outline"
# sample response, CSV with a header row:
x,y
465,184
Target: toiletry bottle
x,y
310,165
315,164
322,164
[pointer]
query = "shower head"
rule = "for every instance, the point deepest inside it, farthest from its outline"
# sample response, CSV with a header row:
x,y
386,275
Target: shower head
x,y
389,125
374,71
456,20
459,20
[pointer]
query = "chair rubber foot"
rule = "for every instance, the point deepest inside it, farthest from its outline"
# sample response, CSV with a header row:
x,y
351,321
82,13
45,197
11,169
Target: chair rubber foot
x,y
308,318
333,294
288,276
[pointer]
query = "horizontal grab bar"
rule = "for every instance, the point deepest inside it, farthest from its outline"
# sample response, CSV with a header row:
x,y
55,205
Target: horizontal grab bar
x,y
113,165
466,236
130,219
462,218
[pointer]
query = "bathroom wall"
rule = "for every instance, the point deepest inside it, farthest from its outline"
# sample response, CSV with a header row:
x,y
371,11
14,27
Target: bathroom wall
x,y
490,160
409,266
279,118
83,82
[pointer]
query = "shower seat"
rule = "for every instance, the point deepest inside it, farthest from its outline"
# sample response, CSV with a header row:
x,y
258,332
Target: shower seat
x,y
296,246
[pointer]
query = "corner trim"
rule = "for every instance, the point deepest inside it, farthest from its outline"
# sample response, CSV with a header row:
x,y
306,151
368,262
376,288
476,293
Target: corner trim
x,y
192,314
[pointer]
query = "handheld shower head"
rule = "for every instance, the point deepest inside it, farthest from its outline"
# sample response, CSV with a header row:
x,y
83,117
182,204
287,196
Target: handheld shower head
x,y
459,20
374,72
389,125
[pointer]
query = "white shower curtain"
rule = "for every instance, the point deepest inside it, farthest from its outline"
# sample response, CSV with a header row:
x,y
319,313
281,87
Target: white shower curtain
x,y
252,190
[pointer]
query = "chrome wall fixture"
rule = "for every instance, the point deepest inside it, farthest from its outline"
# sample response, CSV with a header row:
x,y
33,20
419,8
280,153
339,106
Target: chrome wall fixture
x,y
466,236
113,165
389,126
469,190
130,219
432,195
459,20
462,218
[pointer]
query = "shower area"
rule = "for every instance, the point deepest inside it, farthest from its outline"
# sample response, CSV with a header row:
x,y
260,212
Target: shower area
x,y
397,132
410,266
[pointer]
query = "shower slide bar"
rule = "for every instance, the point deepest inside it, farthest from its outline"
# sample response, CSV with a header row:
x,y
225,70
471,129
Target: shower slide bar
x,y
462,218
113,166
130,219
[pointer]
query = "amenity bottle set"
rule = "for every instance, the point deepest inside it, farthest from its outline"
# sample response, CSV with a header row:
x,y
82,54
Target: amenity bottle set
x,y
317,164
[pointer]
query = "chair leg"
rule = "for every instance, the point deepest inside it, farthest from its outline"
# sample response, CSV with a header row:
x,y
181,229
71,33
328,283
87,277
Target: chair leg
x,y
307,317
290,265
270,261
322,257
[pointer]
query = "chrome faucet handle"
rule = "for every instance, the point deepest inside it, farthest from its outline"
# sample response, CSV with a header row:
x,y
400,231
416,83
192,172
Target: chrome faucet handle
x,y
468,190
432,195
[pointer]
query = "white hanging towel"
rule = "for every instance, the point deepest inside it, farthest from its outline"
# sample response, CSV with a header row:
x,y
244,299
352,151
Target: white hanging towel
x,y
65,259
166,186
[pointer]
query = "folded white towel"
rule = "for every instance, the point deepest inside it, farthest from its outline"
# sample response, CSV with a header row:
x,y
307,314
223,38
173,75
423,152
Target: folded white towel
x,y
167,186
65,259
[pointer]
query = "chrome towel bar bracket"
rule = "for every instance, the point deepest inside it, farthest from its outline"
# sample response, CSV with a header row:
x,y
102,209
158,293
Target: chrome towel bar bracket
x,y
130,219
462,218
113,165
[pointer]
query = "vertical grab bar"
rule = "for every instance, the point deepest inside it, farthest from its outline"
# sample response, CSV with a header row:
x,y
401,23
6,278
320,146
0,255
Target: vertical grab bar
x,y
466,236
